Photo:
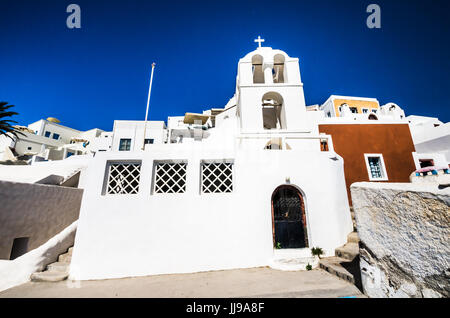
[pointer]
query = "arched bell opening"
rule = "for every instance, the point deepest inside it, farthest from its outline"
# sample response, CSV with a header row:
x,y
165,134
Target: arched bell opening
x,y
273,111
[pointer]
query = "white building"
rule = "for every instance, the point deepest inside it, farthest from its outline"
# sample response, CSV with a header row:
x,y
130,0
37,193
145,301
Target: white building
x,y
431,139
244,191
128,135
46,139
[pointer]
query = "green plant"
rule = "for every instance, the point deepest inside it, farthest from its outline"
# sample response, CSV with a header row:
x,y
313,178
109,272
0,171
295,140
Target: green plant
x,y
278,245
5,124
316,251
308,267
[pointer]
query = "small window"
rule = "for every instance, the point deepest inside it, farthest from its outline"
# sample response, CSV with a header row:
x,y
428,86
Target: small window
x,y
29,148
426,163
55,136
170,177
125,145
123,178
217,177
328,114
354,110
365,110
324,145
148,141
19,247
375,167
47,134
374,111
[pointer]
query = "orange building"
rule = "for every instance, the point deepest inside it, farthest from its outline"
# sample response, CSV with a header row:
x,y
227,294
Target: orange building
x,y
362,145
379,150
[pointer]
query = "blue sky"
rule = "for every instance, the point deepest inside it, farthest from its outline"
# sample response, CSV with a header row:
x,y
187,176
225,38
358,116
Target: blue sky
x,y
91,76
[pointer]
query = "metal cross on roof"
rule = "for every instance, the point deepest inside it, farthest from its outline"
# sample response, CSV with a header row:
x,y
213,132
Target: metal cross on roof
x,y
259,40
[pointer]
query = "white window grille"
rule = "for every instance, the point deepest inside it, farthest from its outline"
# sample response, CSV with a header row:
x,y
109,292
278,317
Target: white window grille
x,y
217,177
123,178
170,177
376,167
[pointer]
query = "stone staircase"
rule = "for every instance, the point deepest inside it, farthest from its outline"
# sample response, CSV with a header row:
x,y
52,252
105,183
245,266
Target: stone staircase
x,y
345,263
57,271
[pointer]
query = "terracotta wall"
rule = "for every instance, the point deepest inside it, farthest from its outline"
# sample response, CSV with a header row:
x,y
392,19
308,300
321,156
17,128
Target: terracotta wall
x,y
352,141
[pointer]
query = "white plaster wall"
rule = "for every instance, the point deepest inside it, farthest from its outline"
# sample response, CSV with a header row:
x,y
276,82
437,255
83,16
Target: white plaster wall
x,y
145,234
439,159
40,170
134,130
250,105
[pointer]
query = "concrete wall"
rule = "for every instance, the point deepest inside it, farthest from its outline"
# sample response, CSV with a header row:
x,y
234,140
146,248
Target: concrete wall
x,y
405,239
393,141
18,271
35,211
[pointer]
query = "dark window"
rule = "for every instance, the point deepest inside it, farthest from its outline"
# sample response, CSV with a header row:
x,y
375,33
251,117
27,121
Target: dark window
x,y
148,141
55,136
20,247
47,134
29,148
354,110
125,145
426,163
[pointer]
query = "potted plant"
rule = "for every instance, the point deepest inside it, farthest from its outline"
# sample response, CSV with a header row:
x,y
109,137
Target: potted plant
x,y
317,251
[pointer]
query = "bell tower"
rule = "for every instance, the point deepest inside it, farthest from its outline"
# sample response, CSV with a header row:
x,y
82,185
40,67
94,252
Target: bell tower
x,y
270,92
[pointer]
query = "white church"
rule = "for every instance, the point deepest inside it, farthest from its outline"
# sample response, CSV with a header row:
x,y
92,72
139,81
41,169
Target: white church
x,y
239,187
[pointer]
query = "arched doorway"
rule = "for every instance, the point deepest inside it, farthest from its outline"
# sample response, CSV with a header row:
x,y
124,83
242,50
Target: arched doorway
x,y
289,218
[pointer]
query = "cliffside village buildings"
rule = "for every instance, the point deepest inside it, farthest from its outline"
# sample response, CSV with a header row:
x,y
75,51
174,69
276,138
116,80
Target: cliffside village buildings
x,y
232,187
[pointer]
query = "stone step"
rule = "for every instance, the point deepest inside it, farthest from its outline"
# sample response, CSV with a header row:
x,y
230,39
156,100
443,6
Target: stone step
x,y
65,258
58,267
49,276
353,237
333,266
349,251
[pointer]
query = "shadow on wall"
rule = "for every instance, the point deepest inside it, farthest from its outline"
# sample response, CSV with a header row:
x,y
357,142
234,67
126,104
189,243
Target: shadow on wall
x,y
31,214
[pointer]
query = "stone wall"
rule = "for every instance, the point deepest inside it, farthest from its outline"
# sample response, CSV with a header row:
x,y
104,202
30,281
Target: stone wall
x,y
36,211
405,239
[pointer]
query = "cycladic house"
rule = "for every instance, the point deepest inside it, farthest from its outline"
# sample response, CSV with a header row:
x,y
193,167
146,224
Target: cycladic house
x,y
258,181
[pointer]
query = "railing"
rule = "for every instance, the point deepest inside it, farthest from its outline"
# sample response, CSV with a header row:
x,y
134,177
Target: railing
x,y
285,135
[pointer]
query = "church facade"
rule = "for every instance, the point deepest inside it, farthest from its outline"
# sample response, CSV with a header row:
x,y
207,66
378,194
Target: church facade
x,y
258,184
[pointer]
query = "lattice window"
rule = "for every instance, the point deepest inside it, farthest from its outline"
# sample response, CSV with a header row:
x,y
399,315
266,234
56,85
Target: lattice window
x,y
170,177
123,178
217,177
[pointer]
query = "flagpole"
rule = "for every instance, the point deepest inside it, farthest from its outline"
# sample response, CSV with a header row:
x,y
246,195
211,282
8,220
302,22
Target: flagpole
x,y
148,103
